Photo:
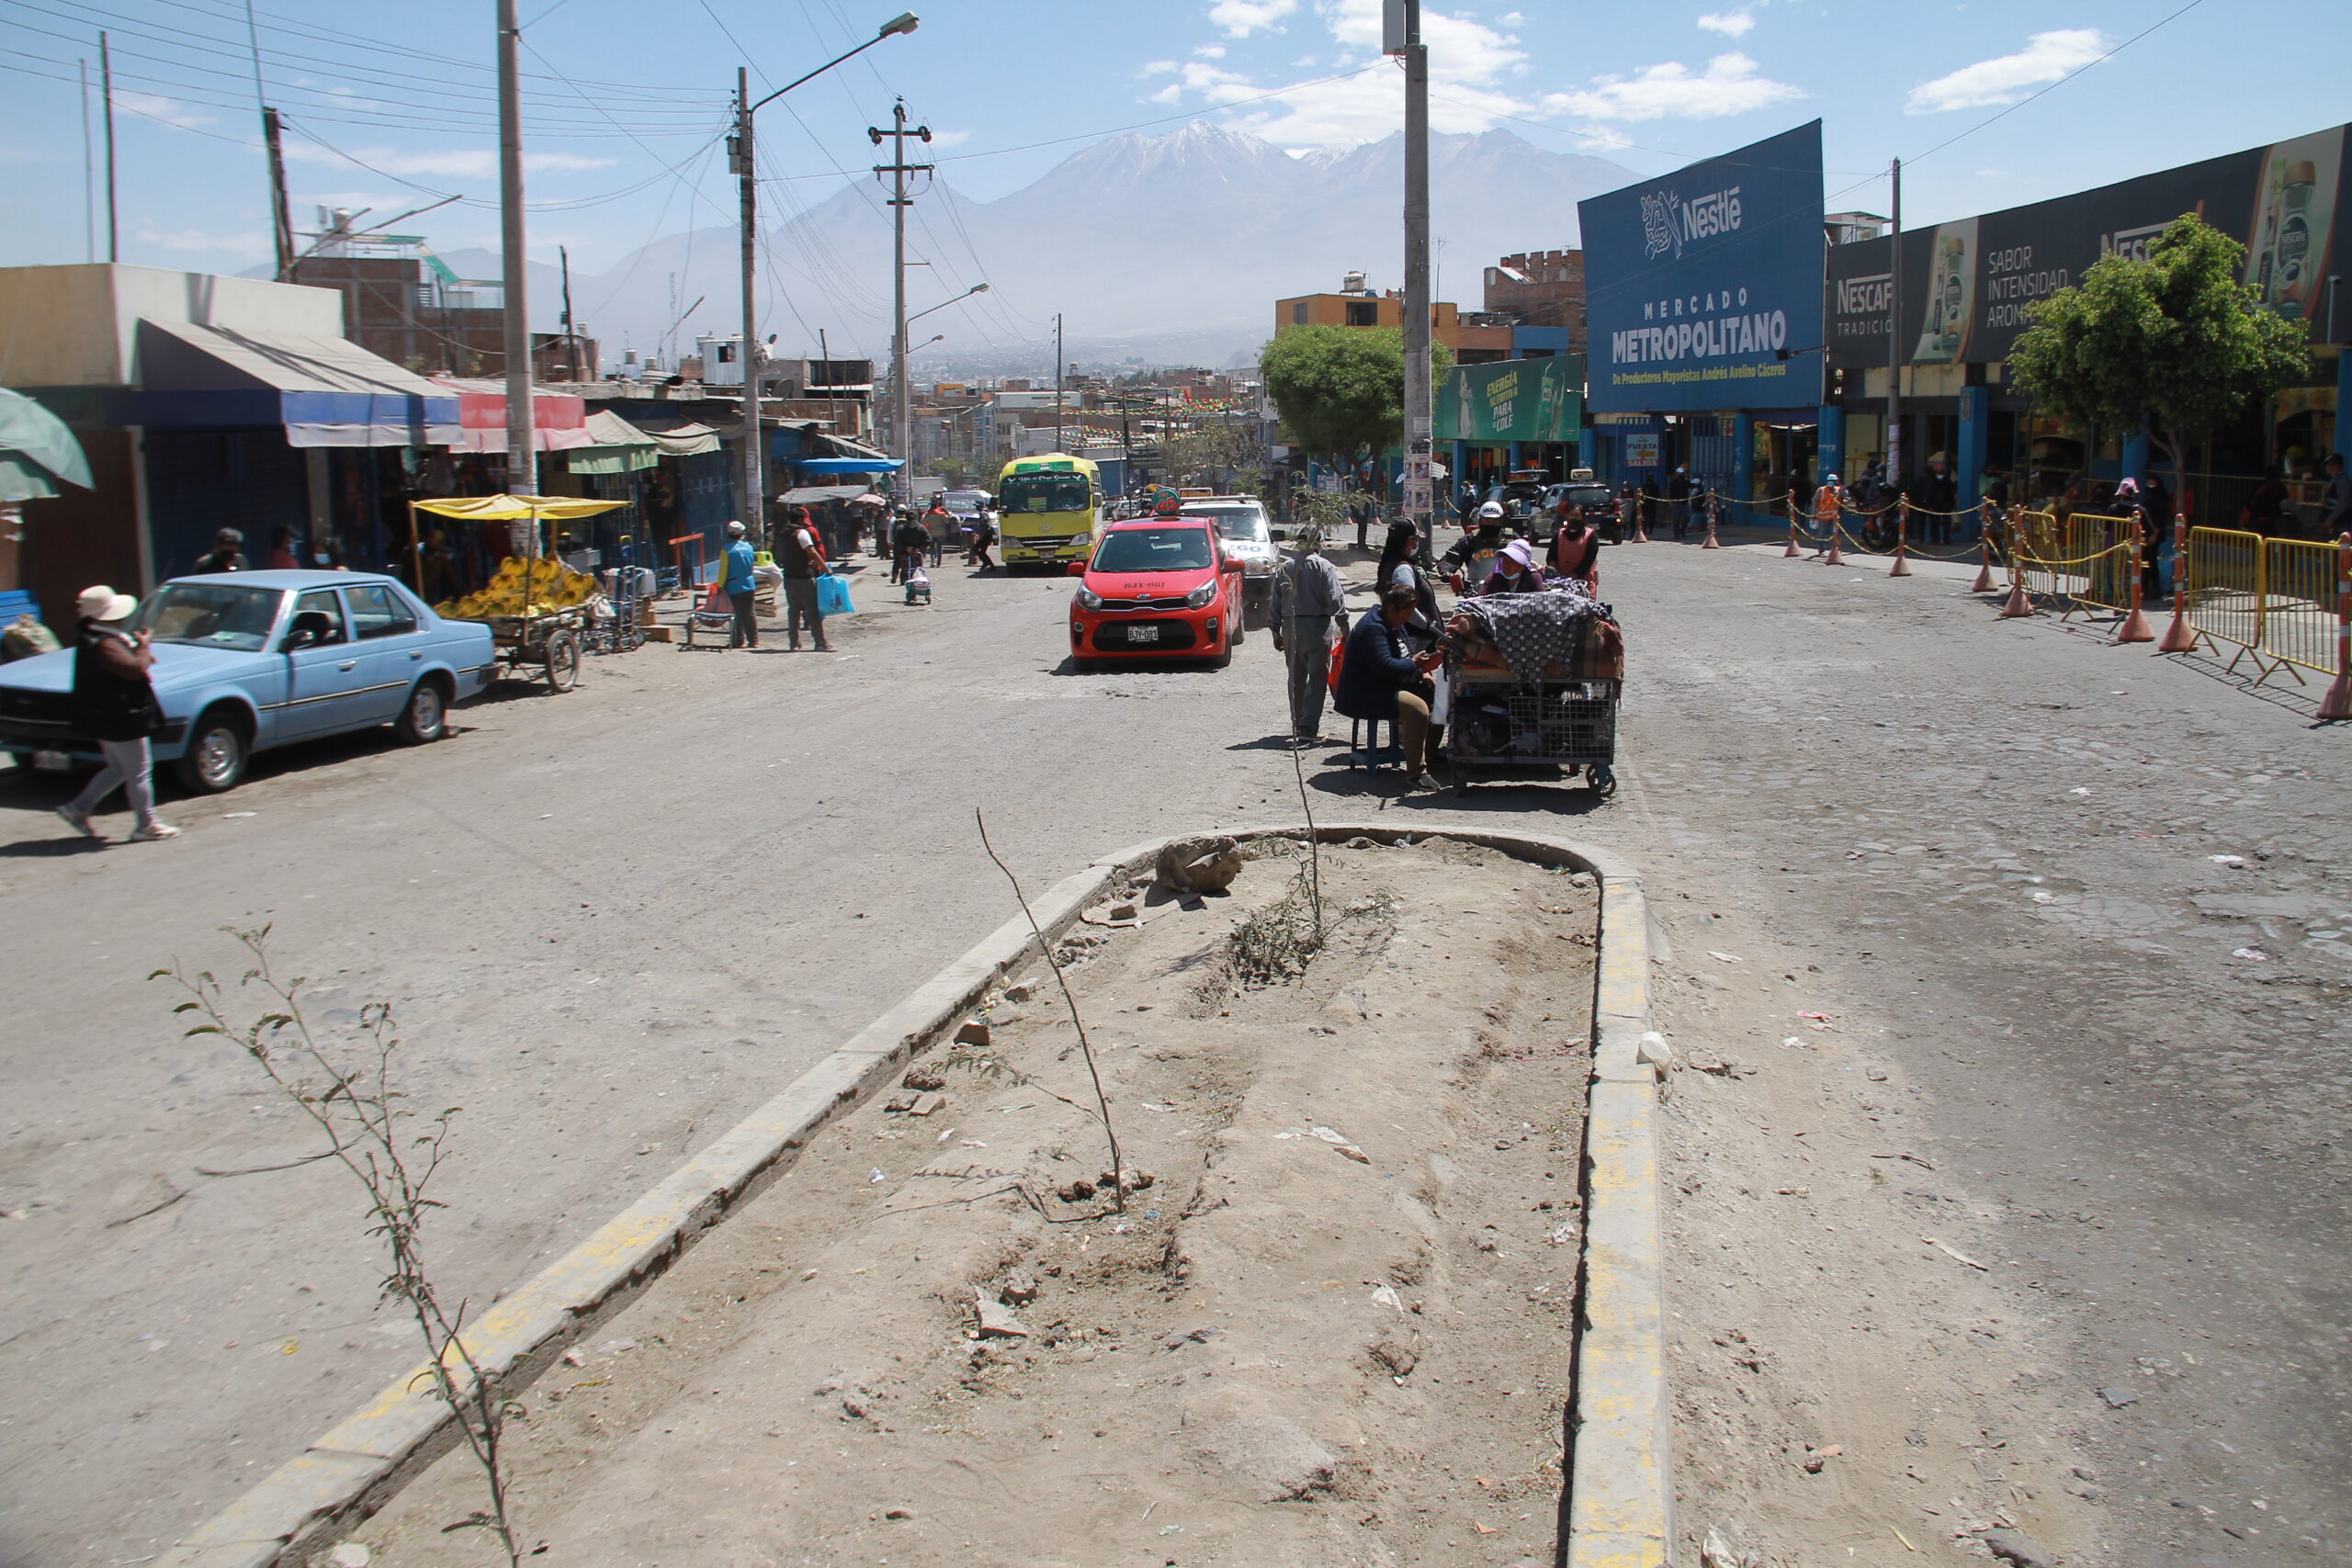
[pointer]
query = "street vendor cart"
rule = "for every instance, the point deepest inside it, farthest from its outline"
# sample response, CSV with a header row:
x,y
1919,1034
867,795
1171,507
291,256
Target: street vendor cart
x,y
1533,680
537,609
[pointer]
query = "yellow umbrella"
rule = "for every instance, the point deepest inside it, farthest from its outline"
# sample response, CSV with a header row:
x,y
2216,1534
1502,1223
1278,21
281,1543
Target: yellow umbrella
x,y
500,509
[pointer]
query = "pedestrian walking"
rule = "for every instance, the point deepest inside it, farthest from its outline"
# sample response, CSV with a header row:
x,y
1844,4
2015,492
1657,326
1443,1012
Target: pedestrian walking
x,y
802,559
1939,497
1363,513
114,703
1308,608
1678,497
1827,501
228,553
984,540
741,587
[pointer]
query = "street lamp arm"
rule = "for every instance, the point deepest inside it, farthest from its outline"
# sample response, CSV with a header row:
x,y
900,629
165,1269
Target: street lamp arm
x,y
904,23
976,288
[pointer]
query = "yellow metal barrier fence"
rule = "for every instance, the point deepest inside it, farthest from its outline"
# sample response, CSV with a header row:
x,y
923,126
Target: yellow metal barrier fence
x,y
2227,577
2298,607
2077,562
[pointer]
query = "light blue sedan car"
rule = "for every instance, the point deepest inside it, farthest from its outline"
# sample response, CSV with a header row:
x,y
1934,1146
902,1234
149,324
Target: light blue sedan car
x,y
250,660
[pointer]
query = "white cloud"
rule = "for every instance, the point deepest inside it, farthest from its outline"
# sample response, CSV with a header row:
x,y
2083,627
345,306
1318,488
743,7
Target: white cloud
x,y
1239,19
2046,57
456,164
950,137
1159,68
1731,24
171,111
1729,85
1468,59
1210,52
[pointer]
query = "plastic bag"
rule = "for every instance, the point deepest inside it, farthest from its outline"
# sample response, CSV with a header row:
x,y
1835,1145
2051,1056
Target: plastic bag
x,y
832,596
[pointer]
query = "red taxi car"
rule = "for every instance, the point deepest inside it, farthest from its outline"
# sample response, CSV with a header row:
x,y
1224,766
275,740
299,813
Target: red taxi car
x,y
1158,588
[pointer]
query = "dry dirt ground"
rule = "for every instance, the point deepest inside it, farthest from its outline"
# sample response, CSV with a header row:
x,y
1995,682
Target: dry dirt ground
x,y
1333,1329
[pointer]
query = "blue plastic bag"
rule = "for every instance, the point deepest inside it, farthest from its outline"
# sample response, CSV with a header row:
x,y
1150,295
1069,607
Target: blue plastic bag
x,y
832,596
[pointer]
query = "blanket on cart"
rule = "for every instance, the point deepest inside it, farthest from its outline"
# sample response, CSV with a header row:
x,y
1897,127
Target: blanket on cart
x,y
1532,630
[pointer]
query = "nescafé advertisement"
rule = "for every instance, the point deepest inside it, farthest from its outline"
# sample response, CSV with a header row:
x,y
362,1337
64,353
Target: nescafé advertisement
x,y
1967,285
1703,288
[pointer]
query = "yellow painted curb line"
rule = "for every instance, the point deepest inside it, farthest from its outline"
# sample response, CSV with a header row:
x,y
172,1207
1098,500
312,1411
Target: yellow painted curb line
x,y
1621,1497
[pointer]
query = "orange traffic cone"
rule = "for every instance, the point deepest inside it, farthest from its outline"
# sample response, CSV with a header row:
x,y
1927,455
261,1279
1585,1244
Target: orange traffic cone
x,y
1902,568
1711,543
2018,603
1792,552
2178,638
2135,627
1835,557
1983,584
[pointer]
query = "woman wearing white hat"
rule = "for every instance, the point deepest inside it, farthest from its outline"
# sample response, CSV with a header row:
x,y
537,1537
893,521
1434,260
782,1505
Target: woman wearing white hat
x,y
114,702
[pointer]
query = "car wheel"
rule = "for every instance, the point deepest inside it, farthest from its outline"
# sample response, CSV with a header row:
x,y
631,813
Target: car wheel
x,y
425,718
218,751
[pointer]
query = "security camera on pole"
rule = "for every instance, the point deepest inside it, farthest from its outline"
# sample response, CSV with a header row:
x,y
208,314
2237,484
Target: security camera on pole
x,y
1401,35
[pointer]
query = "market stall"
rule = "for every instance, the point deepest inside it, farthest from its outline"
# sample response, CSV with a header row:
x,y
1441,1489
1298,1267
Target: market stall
x,y
538,610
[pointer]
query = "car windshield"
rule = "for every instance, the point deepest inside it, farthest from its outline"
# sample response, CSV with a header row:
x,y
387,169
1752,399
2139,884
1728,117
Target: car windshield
x,y
1244,523
1154,549
213,614
963,501
1046,492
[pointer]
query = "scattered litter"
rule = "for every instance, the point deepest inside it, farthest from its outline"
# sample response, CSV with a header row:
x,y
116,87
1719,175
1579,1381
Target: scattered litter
x,y
2227,860
1654,1052
2078,789
229,814
2251,954
1716,1553
944,1136
875,1176
1387,1296
1904,1539
970,1144
1791,1040
1948,1252
616,1347
1725,957
1330,1137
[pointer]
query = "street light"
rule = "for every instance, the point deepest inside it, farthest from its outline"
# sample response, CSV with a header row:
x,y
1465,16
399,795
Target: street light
x,y
740,155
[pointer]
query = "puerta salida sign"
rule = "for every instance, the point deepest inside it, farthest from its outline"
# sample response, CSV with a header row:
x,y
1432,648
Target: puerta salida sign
x,y
1703,288
1968,286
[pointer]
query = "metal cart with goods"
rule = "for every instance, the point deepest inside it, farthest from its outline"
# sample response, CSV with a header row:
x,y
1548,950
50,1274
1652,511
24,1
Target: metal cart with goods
x,y
536,608
1560,713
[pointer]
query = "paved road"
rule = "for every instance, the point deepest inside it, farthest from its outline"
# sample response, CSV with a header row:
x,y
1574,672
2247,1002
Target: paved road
x,y
614,920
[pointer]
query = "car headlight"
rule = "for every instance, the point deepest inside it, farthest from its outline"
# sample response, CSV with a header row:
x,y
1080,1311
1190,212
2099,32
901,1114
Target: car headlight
x,y
1200,596
1088,599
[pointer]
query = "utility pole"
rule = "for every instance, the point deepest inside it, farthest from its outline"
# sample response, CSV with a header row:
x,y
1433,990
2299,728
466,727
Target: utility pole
x,y
571,338
1895,332
522,454
1057,380
89,180
743,160
281,220
901,403
105,87
1403,36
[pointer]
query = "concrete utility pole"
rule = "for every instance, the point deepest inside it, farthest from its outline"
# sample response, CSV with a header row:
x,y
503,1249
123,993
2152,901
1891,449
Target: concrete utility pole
x,y
281,220
522,454
742,159
105,89
1057,380
1893,453
1402,36
898,168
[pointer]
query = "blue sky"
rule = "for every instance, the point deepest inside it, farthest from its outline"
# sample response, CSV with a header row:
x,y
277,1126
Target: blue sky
x,y
393,106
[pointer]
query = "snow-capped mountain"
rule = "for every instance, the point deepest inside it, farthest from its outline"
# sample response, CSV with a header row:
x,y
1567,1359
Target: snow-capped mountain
x,y
1170,247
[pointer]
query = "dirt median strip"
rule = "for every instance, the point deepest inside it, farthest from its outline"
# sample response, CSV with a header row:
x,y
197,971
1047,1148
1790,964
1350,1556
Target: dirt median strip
x,y
1619,1503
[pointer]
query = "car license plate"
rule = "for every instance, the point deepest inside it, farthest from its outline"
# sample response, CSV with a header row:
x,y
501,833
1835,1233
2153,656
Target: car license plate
x,y
1143,634
54,762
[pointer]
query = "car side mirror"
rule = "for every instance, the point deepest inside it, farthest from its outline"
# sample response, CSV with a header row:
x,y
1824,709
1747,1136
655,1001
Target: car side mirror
x,y
310,627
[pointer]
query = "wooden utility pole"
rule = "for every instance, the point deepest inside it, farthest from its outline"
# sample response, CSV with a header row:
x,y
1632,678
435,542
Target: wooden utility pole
x,y
901,401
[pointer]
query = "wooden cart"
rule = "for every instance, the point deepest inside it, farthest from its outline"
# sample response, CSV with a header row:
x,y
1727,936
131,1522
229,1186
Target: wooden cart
x,y
552,641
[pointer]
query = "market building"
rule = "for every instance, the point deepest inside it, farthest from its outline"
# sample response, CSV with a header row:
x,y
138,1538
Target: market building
x,y
1966,286
1703,305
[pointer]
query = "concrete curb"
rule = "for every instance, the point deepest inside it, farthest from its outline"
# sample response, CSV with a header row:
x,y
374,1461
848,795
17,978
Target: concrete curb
x,y
1621,1500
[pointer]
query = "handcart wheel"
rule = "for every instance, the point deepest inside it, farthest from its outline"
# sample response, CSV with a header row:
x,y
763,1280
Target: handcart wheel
x,y
564,661
1604,779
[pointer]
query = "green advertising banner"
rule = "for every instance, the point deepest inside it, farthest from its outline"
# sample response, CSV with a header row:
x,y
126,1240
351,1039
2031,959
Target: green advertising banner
x,y
1514,400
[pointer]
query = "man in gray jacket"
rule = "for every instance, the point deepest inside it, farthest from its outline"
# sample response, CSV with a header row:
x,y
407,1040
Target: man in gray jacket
x,y
1309,603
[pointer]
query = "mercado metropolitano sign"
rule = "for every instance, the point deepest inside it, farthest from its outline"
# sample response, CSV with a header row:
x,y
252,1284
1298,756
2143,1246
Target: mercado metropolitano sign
x,y
1703,288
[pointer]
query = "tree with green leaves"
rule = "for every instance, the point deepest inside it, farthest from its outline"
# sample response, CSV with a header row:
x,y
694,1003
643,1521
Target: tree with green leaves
x,y
1341,390
2174,345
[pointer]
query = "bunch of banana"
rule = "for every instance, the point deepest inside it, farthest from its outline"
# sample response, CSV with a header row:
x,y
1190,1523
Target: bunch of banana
x,y
523,588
